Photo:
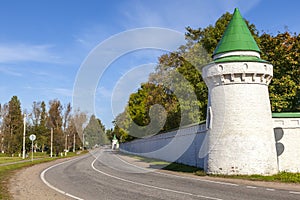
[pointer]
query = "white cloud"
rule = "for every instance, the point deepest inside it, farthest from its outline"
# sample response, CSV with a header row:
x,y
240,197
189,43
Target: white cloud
x,y
92,35
179,14
51,92
63,92
103,92
7,70
12,53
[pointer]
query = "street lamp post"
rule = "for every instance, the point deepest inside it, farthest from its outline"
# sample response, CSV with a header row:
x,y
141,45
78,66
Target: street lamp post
x,y
24,135
51,143
66,144
74,142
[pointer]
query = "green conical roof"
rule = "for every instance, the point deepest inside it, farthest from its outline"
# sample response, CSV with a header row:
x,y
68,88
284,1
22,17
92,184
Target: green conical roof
x,y
115,138
237,36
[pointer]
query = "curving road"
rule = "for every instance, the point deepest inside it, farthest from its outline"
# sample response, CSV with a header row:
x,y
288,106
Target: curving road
x,y
103,174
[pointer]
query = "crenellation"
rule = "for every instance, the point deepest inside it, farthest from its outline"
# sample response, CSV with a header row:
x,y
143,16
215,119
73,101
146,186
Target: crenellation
x,y
238,78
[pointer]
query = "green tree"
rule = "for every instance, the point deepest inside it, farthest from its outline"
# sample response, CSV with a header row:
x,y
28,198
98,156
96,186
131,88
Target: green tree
x,y
210,36
94,133
74,141
3,115
39,128
79,119
66,120
55,121
283,52
13,127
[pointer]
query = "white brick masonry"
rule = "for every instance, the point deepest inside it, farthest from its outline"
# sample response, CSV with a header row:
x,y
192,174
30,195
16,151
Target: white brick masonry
x,y
241,138
287,136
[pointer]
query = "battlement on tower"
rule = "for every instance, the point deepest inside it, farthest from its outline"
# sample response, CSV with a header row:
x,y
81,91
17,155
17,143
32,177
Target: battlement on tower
x,y
237,72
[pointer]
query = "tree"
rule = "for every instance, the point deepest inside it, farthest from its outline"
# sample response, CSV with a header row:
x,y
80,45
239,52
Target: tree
x,y
55,121
79,119
66,119
283,52
13,127
3,114
39,128
74,138
94,133
211,35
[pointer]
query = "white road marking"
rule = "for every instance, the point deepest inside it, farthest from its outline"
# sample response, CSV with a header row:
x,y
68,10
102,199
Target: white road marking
x,y
190,178
293,192
42,176
149,186
270,189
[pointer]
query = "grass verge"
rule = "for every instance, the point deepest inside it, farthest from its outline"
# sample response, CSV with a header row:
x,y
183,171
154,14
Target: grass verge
x,y
8,170
284,177
160,164
4,160
184,168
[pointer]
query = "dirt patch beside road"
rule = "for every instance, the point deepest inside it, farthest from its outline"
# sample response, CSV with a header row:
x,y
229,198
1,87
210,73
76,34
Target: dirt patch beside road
x,y
26,184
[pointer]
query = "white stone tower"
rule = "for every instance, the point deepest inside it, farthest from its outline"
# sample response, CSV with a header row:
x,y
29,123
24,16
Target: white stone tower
x,y
114,143
239,119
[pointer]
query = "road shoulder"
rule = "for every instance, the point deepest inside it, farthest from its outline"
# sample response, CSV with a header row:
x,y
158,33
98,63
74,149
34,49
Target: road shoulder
x,y
26,183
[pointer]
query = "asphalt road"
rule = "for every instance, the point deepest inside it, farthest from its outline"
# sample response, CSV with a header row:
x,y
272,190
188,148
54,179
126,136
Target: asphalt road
x,y
104,175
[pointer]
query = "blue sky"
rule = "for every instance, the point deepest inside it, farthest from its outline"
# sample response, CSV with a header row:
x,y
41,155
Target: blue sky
x,y
44,43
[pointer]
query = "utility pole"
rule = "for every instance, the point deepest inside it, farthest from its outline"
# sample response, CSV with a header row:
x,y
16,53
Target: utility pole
x,y
83,141
74,141
51,145
32,151
66,143
24,134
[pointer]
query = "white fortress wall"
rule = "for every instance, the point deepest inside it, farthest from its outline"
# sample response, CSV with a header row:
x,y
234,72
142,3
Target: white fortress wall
x,y
171,146
287,136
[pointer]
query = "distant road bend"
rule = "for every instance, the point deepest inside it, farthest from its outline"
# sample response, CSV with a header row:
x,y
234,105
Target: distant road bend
x,y
103,174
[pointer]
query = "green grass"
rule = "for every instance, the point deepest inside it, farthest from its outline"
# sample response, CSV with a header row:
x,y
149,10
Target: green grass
x,y
8,170
4,160
184,168
155,163
284,177
4,155
152,161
